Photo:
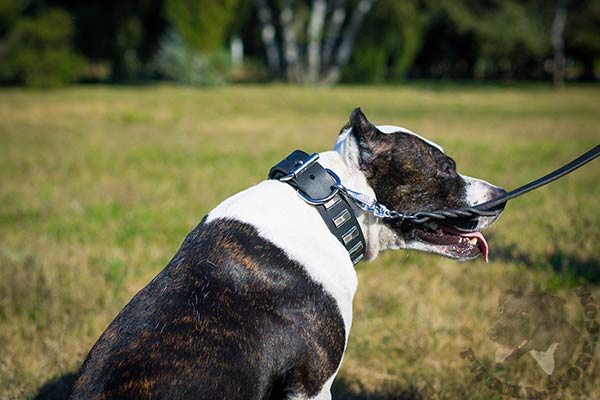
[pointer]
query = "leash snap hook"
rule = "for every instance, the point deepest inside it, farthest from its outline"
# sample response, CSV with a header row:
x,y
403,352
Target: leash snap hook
x,y
370,204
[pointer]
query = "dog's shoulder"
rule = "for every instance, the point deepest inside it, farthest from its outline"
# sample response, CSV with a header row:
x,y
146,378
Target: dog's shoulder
x,y
275,211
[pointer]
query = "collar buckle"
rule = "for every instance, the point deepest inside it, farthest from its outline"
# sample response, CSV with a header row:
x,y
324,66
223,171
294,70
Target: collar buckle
x,y
321,187
301,165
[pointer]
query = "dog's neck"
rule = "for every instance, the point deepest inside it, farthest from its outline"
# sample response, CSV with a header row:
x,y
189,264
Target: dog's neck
x,y
344,161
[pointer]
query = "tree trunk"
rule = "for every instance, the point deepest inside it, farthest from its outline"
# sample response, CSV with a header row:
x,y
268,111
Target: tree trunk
x,y
338,17
333,73
291,51
558,27
315,27
268,37
323,61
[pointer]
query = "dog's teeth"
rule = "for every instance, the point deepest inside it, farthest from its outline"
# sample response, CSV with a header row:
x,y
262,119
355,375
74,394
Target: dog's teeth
x,y
473,241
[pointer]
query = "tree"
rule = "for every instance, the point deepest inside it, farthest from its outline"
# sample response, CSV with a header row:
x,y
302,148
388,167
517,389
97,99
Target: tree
x,y
203,24
321,27
390,39
485,40
191,52
581,35
558,43
38,51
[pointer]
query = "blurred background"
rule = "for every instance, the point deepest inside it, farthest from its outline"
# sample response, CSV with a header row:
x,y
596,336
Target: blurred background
x,y
122,123
205,42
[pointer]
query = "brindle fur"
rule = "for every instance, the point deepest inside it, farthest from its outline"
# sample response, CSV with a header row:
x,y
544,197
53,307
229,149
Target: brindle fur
x,y
230,317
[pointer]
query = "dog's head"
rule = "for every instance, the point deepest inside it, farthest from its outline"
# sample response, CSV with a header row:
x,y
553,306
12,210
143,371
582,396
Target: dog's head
x,y
409,173
526,322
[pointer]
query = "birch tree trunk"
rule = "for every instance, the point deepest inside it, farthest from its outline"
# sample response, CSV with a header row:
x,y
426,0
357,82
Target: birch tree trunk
x,y
338,17
291,52
558,44
344,51
268,37
315,27
321,62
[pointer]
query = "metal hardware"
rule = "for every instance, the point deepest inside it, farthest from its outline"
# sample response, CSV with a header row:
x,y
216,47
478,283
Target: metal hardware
x,y
322,200
302,165
357,249
350,235
369,204
341,218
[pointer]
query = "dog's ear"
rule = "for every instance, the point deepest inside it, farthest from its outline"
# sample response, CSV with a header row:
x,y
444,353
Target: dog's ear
x,y
368,137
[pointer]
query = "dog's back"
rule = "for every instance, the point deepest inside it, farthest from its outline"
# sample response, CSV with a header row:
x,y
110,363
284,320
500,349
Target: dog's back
x,y
230,317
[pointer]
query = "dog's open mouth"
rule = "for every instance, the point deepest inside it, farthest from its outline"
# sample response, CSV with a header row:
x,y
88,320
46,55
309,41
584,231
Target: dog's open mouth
x,y
455,243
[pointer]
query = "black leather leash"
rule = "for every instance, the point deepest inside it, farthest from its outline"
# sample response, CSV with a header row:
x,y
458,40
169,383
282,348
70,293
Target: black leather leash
x,y
488,208
318,186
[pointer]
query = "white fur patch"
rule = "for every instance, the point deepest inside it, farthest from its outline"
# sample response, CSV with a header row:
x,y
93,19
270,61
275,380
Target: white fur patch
x,y
346,148
276,211
478,191
324,394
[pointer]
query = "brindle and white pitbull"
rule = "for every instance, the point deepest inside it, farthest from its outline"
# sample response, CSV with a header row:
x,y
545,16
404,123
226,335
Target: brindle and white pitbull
x,y
257,302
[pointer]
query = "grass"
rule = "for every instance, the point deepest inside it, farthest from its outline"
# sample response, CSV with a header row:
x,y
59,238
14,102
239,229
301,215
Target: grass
x,y
99,185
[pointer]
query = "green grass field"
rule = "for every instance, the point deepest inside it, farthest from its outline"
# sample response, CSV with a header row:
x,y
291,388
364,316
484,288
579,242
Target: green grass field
x,y
99,186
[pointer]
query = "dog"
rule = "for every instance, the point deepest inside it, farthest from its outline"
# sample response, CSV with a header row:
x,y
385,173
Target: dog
x,y
533,324
257,302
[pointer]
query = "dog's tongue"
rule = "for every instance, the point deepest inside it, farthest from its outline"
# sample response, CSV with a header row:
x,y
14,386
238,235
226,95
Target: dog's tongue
x,y
481,242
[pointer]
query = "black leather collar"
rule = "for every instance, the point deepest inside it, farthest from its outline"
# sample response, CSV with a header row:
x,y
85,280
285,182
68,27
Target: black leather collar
x,y
316,182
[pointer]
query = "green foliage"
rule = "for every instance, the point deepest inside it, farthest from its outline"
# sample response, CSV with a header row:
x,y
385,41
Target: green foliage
x,y
8,13
181,63
388,42
508,34
202,23
192,52
38,51
582,33
128,40
465,39
582,29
